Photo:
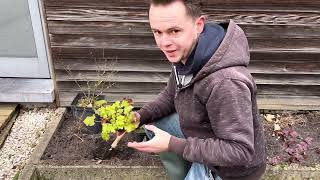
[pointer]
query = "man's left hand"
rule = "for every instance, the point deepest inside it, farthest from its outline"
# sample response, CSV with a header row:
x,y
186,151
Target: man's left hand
x,y
159,143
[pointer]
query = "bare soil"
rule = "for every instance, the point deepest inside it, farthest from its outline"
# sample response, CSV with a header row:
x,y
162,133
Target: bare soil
x,y
73,144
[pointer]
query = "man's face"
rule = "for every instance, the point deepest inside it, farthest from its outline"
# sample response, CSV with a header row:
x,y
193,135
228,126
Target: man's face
x,y
175,32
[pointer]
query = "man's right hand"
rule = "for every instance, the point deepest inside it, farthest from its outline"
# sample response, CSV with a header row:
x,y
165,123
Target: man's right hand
x,y
136,119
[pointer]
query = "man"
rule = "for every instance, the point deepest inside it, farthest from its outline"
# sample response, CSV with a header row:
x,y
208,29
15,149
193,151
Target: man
x,y
207,114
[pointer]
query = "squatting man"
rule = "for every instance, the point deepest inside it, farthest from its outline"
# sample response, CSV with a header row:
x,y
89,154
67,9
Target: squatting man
x,y
205,123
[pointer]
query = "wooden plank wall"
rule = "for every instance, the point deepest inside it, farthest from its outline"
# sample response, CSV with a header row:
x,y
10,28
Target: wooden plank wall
x,y
284,38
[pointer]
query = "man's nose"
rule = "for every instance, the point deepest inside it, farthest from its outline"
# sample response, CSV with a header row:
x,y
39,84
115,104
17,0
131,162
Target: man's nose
x,y
166,40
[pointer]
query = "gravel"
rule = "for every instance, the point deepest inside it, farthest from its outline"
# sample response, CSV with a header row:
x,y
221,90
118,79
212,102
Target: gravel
x,y
24,137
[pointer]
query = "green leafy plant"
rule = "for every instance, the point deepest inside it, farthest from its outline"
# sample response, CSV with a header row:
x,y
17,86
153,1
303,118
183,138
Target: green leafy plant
x,y
115,118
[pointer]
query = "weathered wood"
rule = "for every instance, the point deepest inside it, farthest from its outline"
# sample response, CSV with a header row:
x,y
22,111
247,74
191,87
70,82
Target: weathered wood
x,y
147,42
285,55
119,87
4,131
138,98
137,87
138,15
286,79
284,39
284,67
6,112
264,101
143,29
104,41
129,3
119,65
157,77
285,5
102,53
105,28
291,90
281,31
255,67
288,102
153,77
156,54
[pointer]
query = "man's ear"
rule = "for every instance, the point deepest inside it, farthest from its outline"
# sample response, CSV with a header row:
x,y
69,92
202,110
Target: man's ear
x,y
200,24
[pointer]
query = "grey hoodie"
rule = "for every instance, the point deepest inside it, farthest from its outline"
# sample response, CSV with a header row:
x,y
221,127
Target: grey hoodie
x,y
217,110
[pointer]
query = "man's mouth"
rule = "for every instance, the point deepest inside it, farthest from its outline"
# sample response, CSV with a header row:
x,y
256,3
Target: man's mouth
x,y
170,53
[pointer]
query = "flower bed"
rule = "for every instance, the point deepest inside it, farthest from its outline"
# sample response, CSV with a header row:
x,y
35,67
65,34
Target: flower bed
x,y
68,152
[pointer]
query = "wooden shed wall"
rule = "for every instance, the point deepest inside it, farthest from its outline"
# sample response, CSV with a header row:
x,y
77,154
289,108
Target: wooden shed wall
x,y
284,38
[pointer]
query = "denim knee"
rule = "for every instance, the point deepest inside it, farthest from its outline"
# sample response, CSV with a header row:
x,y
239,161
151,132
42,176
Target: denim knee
x,y
169,123
149,134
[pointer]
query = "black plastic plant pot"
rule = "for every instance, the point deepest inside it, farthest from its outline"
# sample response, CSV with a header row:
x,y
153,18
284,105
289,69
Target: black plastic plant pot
x,y
81,113
95,129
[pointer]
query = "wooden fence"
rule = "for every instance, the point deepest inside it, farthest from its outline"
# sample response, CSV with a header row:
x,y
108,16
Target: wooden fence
x,y
284,38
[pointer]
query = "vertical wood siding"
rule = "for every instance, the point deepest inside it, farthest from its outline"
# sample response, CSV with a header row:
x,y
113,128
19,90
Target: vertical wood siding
x,y
284,38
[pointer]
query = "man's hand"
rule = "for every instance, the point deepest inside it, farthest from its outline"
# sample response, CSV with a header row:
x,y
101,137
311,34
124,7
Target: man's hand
x,y
159,143
136,119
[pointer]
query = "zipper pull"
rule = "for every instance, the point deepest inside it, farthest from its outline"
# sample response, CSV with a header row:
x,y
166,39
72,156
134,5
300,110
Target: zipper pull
x,y
179,85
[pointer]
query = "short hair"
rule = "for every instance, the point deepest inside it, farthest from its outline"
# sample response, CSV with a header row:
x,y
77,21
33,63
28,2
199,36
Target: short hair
x,y
193,7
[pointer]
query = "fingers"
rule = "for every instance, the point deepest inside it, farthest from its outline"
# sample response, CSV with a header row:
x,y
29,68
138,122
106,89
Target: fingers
x,y
139,145
143,146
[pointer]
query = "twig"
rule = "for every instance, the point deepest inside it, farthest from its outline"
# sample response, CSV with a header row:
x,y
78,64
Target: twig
x,y
79,137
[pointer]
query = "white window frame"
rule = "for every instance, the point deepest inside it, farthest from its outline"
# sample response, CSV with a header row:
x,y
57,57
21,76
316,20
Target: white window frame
x,y
30,67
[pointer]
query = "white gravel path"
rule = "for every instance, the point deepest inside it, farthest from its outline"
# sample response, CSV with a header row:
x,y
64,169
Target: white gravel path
x,y
24,136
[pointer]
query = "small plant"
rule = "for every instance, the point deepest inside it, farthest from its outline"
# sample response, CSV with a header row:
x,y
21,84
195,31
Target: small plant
x,y
115,118
91,87
294,145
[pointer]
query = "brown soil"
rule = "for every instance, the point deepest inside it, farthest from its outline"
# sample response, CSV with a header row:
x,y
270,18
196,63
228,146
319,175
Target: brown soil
x,y
73,144
304,126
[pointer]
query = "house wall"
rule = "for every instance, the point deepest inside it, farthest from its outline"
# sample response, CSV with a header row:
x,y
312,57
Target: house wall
x,y
284,38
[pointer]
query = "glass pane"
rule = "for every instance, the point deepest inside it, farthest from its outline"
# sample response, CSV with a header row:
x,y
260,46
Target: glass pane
x,y
16,34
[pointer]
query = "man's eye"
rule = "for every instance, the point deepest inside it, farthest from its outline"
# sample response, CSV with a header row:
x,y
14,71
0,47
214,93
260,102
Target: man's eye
x,y
175,31
156,32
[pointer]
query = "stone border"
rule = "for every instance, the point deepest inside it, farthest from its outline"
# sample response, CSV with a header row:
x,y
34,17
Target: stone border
x,y
294,171
35,170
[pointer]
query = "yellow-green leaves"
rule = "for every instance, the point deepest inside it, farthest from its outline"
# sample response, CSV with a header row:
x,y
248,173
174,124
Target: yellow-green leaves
x,y
98,104
89,121
130,127
107,129
116,117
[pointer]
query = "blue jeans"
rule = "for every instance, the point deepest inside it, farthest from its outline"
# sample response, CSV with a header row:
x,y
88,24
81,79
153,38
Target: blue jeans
x,y
171,125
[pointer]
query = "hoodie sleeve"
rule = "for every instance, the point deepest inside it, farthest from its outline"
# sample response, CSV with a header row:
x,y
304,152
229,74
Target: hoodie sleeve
x,y
163,104
229,109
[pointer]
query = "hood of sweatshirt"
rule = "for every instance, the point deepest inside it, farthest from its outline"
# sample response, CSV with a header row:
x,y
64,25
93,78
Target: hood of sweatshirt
x,y
208,43
232,51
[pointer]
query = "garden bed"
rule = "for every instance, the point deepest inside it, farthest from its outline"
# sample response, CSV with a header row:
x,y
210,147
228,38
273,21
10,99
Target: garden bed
x,y
72,153
73,144
69,151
